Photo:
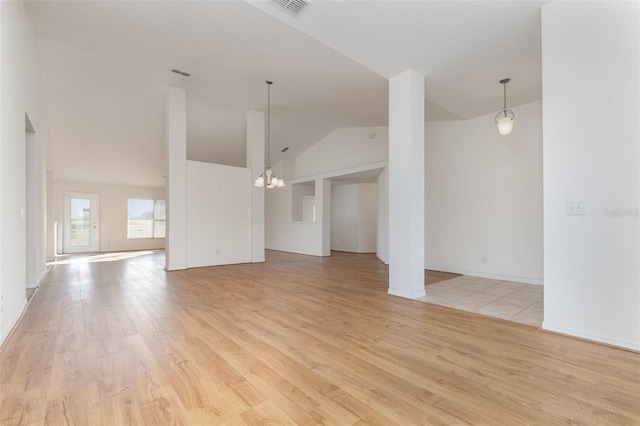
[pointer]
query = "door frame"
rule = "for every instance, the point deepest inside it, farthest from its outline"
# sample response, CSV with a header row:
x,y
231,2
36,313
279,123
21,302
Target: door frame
x,y
94,238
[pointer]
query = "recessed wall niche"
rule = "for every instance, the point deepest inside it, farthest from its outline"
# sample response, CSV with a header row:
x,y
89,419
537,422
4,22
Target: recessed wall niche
x,y
303,203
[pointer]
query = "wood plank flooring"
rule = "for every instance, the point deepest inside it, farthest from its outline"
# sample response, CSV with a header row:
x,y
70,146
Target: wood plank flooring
x,y
296,340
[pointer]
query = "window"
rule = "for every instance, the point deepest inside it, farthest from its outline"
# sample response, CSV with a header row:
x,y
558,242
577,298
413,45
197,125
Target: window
x,y
146,219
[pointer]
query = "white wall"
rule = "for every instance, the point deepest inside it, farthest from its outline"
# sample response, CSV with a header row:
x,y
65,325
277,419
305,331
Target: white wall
x,y
382,219
298,192
112,215
591,72
218,214
282,233
255,163
176,178
483,197
20,94
344,218
483,194
368,215
353,218
343,149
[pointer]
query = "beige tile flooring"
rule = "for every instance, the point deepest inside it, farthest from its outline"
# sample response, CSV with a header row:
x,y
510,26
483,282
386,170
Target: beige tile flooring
x,y
500,299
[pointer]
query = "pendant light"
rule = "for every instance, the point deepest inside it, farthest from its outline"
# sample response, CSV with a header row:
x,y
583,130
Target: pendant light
x,y
504,118
267,178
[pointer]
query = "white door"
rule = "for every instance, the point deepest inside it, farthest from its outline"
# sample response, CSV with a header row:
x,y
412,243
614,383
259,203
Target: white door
x,y
81,223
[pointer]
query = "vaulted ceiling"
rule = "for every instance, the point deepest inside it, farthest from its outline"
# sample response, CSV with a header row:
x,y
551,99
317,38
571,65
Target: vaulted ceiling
x,y
106,67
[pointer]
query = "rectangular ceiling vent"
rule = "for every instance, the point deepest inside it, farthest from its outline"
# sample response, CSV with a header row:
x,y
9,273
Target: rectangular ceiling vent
x,y
182,73
291,7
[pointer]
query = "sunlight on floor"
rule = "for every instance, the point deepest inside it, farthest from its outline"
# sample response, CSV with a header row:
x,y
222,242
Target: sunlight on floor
x,y
67,259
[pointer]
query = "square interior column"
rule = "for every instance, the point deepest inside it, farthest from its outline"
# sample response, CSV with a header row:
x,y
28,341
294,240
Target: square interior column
x,y
176,179
323,214
406,185
255,162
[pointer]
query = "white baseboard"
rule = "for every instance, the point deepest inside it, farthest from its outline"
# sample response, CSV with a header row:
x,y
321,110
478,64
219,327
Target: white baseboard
x,y
37,282
523,280
23,308
14,321
591,336
407,295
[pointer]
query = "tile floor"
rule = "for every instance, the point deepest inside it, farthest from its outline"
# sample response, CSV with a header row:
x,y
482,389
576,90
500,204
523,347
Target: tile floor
x,y
500,299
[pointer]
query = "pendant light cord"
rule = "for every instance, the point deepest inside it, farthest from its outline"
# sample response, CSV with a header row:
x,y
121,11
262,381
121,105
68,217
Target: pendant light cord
x,y
268,147
505,96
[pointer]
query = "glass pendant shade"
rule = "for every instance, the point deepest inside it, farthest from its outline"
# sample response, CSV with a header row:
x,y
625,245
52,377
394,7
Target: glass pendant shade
x,y
505,125
504,118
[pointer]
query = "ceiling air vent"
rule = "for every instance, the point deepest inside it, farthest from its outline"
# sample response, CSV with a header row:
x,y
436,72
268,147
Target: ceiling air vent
x,y
182,73
291,7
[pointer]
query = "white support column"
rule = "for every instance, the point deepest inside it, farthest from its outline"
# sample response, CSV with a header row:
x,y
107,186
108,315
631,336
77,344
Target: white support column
x,y
406,185
176,179
323,213
255,163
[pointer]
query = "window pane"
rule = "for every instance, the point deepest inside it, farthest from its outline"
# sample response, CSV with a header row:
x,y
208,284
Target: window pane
x,y
159,230
140,228
140,223
160,210
140,209
80,222
146,219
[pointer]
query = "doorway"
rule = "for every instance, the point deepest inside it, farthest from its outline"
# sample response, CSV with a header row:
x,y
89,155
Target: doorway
x,y
81,226
354,217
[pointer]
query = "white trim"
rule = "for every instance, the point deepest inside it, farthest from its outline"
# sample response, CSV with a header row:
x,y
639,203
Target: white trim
x,y
43,275
336,173
14,322
591,336
37,282
522,280
23,309
408,295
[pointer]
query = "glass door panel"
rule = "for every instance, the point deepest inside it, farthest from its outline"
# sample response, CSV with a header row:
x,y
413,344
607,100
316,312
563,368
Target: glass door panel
x,y
80,222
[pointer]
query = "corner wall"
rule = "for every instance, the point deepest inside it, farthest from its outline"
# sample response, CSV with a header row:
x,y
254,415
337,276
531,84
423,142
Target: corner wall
x,y
591,92
218,214
483,197
20,88
353,218
282,233
343,149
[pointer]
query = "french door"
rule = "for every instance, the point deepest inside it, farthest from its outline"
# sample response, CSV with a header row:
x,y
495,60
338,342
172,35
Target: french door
x,y
81,227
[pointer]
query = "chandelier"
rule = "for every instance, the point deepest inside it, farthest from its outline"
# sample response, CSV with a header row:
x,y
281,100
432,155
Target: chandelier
x,y
267,178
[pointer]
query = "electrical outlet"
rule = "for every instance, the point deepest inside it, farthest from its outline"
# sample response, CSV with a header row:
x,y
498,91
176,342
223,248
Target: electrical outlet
x,y
575,208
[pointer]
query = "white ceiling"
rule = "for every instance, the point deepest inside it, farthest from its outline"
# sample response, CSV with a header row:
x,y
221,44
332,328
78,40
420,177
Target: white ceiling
x,y
107,65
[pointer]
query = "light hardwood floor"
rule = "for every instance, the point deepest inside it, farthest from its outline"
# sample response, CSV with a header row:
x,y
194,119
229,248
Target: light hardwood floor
x,y
296,340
